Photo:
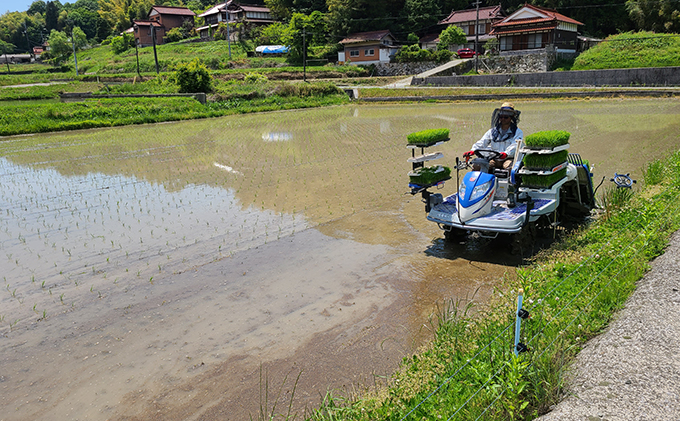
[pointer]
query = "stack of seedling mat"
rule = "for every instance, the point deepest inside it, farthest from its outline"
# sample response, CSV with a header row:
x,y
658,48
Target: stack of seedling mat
x,y
422,177
545,158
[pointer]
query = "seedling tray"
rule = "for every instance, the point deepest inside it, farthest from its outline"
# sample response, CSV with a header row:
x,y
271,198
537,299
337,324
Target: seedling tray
x,y
540,171
543,150
425,158
428,176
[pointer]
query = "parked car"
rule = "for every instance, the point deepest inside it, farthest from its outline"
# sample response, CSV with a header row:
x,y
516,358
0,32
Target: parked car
x,y
466,53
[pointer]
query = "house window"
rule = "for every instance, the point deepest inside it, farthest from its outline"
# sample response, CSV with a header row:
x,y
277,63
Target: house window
x,y
369,52
354,53
535,41
506,43
481,28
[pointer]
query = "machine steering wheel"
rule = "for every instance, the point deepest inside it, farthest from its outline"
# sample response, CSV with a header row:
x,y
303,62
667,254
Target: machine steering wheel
x,y
487,154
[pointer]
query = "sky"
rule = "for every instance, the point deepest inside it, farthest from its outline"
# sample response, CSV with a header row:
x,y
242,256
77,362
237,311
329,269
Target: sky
x,y
15,5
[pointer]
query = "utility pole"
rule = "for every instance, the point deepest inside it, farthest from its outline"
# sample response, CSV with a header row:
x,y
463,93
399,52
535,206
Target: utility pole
x,y
153,39
477,38
73,43
137,54
6,60
228,35
28,43
304,55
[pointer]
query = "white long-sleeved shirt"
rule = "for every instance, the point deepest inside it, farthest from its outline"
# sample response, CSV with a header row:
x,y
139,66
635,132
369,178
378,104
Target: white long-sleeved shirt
x,y
504,142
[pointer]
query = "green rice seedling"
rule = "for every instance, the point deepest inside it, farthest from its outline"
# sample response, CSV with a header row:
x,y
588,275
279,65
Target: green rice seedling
x,y
544,161
547,139
543,181
426,137
430,175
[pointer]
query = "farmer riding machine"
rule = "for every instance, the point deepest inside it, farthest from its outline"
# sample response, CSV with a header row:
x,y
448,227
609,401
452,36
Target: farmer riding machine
x,y
546,187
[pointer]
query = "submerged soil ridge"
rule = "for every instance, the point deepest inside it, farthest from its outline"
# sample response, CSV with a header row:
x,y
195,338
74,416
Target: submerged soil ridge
x,y
632,370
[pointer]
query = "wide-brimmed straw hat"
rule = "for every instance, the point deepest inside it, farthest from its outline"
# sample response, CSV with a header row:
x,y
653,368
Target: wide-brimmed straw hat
x,y
508,108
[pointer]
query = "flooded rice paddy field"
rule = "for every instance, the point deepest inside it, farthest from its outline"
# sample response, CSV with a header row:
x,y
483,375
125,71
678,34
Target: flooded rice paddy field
x,y
162,271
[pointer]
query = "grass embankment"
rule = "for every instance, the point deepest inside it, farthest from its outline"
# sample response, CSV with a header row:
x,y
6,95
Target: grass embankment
x,y
470,372
40,118
630,50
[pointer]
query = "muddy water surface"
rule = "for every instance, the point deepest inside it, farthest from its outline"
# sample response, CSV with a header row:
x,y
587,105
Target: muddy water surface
x,y
172,271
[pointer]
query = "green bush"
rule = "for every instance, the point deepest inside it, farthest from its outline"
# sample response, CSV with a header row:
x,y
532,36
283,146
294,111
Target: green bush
x,y
255,77
442,56
428,136
121,44
174,35
547,139
193,77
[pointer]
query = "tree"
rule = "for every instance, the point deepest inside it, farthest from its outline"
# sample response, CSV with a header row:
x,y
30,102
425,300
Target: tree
x,y
51,16
275,34
422,15
655,15
452,35
305,31
37,6
60,46
79,38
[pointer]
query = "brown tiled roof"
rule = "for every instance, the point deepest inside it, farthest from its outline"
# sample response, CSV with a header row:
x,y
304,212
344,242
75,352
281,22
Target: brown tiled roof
x,y
552,16
172,10
467,15
365,36
248,8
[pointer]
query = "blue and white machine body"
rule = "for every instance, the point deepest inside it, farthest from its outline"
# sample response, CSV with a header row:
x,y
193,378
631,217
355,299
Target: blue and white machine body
x,y
498,203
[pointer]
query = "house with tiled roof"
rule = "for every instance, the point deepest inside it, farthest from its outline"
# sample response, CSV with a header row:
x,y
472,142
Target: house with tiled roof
x,y
368,48
533,27
474,27
233,12
159,21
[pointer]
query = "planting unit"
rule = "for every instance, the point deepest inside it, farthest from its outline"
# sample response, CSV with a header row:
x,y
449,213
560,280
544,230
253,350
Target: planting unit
x,y
421,178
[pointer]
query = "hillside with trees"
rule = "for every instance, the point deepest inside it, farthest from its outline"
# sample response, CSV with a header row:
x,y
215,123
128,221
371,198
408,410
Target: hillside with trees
x,y
319,25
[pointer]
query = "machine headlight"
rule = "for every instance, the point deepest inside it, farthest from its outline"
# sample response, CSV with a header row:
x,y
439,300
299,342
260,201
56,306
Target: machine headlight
x,y
461,190
479,190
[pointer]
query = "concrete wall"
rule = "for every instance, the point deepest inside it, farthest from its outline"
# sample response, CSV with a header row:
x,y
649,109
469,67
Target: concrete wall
x,y
653,76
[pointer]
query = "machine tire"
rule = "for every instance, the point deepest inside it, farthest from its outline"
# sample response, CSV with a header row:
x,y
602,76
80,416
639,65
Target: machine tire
x,y
455,234
523,242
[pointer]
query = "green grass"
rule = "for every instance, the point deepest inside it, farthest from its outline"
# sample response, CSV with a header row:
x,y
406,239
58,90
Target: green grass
x,y
40,118
469,370
630,50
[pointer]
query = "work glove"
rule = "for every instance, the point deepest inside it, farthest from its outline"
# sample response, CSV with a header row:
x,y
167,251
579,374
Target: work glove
x,y
468,154
502,156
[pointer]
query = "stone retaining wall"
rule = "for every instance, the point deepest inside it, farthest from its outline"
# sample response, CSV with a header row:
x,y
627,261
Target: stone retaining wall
x,y
403,69
653,76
